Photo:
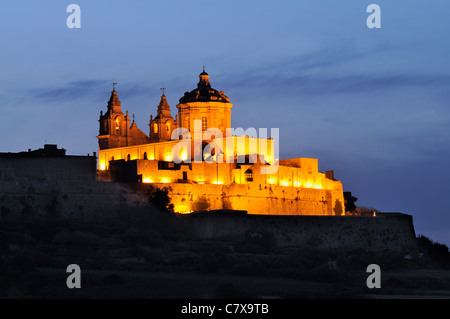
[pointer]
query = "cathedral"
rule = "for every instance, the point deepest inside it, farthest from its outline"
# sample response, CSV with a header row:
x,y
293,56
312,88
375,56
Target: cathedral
x,y
205,165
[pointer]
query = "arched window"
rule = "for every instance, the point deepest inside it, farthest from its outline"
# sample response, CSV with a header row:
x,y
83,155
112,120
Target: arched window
x,y
155,128
145,155
128,157
112,158
117,123
168,127
248,175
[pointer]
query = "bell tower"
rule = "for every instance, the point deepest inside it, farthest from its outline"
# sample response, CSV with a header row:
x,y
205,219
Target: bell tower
x,y
114,125
162,125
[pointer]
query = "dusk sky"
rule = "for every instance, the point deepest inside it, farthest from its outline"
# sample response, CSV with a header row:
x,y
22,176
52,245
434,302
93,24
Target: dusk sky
x,y
371,104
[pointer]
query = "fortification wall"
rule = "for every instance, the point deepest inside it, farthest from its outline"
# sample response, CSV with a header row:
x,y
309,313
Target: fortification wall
x,y
385,231
280,200
33,199
48,168
70,199
257,199
41,197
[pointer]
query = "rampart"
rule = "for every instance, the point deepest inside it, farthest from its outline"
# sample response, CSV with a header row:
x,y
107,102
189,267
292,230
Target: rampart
x,y
75,199
385,231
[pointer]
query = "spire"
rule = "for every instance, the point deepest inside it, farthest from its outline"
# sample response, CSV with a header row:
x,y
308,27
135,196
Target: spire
x,y
133,124
163,110
163,105
162,125
114,100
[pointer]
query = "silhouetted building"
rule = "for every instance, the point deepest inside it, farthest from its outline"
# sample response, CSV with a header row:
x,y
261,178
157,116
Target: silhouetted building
x,y
47,164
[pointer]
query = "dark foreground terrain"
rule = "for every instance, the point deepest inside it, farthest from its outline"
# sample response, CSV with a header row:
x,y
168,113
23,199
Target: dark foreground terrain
x,y
145,254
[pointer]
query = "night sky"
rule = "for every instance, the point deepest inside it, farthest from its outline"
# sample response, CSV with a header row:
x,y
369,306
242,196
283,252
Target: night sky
x,y
371,104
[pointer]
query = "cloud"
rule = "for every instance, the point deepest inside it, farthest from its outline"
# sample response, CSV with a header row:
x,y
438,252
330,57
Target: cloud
x,y
334,72
71,91
87,89
318,74
328,84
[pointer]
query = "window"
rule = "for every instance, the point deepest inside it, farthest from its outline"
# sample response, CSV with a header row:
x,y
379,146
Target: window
x,y
145,155
128,157
248,175
204,123
187,123
155,128
168,127
117,124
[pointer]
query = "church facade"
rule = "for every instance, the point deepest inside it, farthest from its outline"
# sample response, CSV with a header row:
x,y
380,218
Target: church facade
x,y
205,166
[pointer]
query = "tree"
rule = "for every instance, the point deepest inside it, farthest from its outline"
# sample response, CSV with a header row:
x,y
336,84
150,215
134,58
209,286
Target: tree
x,y
349,202
160,199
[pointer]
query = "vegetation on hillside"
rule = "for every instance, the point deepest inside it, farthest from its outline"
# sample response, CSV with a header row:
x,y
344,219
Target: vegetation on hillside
x,y
145,254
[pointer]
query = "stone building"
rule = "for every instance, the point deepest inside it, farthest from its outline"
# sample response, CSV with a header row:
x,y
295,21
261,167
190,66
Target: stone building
x,y
203,163
163,124
115,130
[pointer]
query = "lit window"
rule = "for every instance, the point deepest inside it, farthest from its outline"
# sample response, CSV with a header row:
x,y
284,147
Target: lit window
x,y
204,123
248,175
117,124
168,127
155,128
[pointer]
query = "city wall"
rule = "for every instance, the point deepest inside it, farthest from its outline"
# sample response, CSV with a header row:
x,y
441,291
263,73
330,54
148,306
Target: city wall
x,y
386,231
256,199
92,200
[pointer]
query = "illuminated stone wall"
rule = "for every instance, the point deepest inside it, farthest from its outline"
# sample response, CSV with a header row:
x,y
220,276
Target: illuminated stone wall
x,y
154,151
162,151
269,200
297,188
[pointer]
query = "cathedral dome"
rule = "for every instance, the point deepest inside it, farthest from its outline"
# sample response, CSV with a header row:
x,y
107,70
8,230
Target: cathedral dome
x,y
204,92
